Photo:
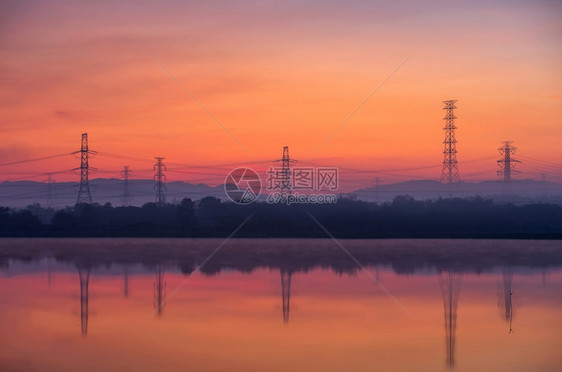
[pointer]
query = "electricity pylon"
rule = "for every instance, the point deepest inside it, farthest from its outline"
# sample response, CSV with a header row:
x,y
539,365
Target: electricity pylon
x,y
450,171
160,178
286,161
126,197
507,162
84,195
50,192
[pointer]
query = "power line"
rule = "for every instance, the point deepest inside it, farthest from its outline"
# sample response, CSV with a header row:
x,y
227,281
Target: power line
x,y
540,161
35,175
35,159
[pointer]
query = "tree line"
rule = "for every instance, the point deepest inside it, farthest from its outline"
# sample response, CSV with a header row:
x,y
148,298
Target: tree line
x,y
404,217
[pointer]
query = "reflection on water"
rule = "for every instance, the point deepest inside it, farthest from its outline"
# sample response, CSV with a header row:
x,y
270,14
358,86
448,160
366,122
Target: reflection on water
x,y
450,284
159,289
286,293
228,315
84,274
125,282
507,279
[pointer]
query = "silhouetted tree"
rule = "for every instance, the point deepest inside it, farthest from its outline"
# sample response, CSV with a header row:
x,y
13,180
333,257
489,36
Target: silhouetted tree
x,y
403,217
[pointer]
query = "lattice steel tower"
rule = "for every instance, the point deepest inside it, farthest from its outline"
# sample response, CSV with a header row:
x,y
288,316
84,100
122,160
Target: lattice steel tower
x,y
50,194
160,178
126,197
507,162
285,184
84,195
450,171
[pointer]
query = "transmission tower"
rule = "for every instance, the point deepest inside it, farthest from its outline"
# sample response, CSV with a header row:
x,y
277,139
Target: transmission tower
x,y
126,197
507,162
84,195
285,175
450,171
159,177
50,194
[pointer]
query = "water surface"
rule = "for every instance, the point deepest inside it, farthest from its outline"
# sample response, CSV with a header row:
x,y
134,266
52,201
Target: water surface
x,y
279,305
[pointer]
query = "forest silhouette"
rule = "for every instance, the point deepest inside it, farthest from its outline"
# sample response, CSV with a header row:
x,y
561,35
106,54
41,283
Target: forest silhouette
x,y
404,217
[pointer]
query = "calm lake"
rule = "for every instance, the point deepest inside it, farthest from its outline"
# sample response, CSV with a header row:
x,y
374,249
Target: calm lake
x,y
280,305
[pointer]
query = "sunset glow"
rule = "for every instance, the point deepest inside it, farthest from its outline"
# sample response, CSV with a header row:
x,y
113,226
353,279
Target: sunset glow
x,y
279,74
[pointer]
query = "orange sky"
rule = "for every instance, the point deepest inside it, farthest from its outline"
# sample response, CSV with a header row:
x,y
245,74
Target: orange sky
x,y
275,74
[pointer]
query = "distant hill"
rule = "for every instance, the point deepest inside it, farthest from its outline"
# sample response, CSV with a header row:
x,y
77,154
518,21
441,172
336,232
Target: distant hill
x,y
518,191
23,193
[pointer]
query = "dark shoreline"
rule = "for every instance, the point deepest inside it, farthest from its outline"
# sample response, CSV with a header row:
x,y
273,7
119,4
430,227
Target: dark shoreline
x,y
149,235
